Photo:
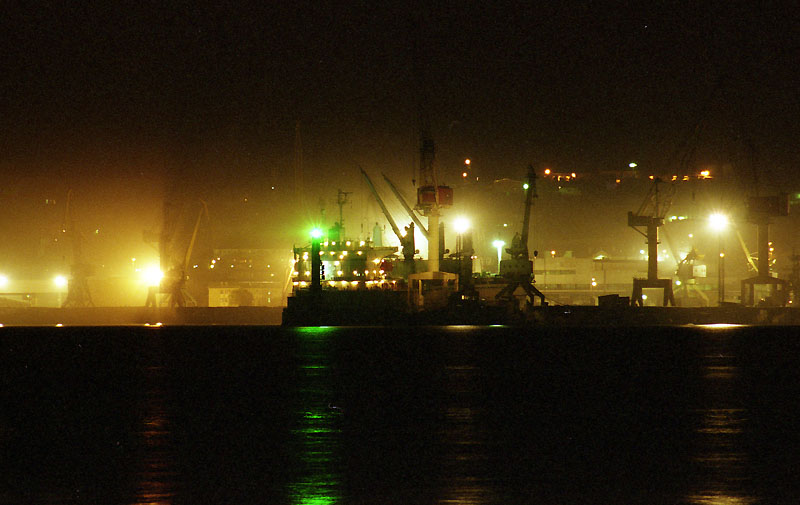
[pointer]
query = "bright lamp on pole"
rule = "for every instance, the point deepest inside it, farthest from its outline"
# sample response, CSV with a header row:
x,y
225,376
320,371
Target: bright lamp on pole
x,y
461,225
499,245
719,222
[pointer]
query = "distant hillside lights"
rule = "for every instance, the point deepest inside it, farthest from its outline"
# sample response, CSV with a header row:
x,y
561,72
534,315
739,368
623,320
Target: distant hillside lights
x,y
559,176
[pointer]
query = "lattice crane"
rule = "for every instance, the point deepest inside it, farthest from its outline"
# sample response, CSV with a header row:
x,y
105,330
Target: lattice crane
x,y
518,270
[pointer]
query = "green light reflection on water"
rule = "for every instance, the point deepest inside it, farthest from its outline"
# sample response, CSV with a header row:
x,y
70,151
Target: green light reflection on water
x,y
316,428
316,330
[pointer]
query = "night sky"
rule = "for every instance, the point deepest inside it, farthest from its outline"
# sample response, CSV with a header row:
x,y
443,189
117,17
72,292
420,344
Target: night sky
x,y
129,102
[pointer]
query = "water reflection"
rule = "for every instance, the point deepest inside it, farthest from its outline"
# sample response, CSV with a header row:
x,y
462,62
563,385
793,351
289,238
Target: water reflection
x,y
156,475
464,459
721,458
318,478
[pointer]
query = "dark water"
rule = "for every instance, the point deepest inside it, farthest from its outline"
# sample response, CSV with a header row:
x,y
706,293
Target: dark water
x,y
456,415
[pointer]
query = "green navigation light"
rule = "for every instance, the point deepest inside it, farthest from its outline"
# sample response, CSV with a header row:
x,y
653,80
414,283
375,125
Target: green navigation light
x,y
525,186
316,233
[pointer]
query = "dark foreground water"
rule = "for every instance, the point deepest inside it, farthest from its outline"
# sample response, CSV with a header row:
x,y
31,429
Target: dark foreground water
x,y
456,415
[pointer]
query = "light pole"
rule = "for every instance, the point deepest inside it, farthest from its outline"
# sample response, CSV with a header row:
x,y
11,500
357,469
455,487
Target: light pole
x,y
499,245
719,222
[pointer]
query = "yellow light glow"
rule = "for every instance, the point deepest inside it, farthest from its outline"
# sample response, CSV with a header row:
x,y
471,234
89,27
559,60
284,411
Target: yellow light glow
x,y
461,224
467,161
3,281
152,275
60,281
718,221
546,171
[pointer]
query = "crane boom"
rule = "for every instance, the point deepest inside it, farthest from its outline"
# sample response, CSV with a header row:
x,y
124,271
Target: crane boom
x,y
406,207
395,229
188,255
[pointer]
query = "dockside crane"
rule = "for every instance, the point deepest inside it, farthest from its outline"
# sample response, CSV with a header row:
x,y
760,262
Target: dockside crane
x,y
650,216
518,270
174,259
431,197
78,294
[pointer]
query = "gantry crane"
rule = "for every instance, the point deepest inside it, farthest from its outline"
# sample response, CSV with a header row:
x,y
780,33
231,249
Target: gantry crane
x,y
759,211
650,216
518,270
